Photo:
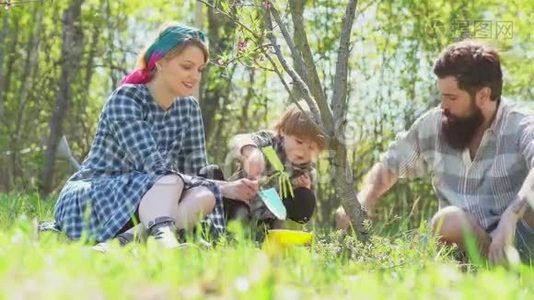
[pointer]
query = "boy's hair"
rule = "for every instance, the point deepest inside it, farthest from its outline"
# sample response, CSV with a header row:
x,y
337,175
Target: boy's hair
x,y
300,124
474,65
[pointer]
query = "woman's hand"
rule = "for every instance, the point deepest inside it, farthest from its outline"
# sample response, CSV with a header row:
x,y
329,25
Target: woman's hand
x,y
253,162
303,180
242,189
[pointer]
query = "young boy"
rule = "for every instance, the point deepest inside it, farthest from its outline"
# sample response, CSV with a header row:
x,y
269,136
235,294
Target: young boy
x,y
297,142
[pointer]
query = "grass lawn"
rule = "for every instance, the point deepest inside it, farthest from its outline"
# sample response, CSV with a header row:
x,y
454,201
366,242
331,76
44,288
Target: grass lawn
x,y
404,265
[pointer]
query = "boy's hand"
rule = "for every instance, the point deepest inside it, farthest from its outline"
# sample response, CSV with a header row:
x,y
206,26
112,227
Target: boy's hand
x,y
303,180
253,162
242,189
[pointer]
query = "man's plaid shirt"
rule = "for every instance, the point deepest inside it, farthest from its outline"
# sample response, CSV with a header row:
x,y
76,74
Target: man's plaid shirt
x,y
483,186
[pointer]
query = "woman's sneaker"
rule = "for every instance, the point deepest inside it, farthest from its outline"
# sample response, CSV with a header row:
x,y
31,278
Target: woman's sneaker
x,y
163,230
123,239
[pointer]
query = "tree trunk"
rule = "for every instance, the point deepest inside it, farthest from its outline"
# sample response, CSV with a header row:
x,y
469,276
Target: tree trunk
x,y
244,117
3,38
83,132
30,65
4,176
213,88
219,140
7,74
111,44
199,23
71,54
11,59
344,187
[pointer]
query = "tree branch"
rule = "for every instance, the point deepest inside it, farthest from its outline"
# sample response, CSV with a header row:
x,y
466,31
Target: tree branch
x,y
299,60
339,99
325,112
309,100
297,80
301,41
292,96
236,21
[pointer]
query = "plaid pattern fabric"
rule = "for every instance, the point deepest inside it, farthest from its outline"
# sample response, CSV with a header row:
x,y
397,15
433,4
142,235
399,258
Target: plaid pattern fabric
x,y
136,143
483,186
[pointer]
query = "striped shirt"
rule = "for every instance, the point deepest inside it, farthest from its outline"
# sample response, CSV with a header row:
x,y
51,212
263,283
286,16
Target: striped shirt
x,y
483,186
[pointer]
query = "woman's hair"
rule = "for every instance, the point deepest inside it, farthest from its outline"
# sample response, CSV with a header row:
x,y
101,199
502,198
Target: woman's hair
x,y
474,66
300,123
191,41
171,40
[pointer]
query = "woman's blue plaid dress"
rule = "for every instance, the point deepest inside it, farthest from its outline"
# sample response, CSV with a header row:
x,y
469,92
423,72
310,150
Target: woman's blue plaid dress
x,y
136,143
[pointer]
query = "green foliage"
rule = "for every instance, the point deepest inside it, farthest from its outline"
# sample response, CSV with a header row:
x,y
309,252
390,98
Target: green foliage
x,y
408,266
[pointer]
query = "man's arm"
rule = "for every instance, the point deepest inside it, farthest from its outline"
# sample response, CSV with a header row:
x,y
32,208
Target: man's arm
x,y
503,236
402,159
526,142
519,206
378,181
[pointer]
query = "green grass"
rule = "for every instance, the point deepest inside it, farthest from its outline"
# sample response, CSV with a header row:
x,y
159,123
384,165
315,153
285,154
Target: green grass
x,y
404,265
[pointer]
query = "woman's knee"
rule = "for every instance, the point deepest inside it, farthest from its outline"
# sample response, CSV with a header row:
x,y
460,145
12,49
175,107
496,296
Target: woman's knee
x,y
174,181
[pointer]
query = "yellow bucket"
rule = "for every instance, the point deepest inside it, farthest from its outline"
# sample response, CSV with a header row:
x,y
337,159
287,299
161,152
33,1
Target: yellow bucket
x,y
285,237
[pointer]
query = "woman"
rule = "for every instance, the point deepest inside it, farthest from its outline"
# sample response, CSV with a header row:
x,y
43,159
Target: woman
x,y
149,135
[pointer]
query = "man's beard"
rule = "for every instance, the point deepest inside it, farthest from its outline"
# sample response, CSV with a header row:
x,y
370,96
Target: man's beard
x,y
459,132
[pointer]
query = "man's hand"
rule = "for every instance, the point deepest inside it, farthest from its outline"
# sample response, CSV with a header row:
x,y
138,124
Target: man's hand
x,y
242,189
303,180
502,239
367,206
343,220
253,162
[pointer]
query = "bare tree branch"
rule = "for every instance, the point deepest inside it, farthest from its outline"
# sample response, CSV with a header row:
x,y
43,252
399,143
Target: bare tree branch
x,y
299,60
310,101
339,98
297,80
325,112
235,20
301,41
288,89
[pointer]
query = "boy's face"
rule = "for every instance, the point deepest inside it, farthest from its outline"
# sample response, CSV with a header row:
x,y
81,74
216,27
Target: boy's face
x,y
300,151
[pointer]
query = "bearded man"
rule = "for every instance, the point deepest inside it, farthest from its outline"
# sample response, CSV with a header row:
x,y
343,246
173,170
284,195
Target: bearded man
x,y
478,149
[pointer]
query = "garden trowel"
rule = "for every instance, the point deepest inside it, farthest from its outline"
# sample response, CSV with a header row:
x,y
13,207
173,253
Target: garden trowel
x,y
273,202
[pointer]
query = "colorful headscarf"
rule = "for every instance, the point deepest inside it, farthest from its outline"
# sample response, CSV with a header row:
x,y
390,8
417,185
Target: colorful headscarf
x,y
169,39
